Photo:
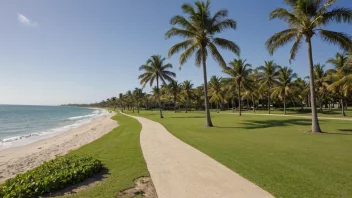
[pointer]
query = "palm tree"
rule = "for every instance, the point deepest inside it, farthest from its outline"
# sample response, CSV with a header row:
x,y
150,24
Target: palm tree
x,y
174,88
138,97
129,100
122,101
156,70
187,87
285,87
198,96
302,90
320,83
341,77
305,19
239,72
199,30
268,77
215,91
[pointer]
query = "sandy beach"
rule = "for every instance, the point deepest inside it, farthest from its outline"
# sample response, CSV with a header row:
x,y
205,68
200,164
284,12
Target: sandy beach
x,y
22,158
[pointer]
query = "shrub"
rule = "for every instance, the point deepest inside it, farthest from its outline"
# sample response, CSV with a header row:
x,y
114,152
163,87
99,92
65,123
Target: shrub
x,y
50,176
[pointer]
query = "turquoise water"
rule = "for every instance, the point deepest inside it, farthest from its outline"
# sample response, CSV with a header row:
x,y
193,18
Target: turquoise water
x,y
22,124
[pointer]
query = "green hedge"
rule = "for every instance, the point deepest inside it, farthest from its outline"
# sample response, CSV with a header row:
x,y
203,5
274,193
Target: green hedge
x,y
50,176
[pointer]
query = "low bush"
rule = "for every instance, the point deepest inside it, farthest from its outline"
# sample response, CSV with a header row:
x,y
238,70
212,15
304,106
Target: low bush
x,y
50,176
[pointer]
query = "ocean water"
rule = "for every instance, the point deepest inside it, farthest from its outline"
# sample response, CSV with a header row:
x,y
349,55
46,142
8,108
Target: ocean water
x,y
23,124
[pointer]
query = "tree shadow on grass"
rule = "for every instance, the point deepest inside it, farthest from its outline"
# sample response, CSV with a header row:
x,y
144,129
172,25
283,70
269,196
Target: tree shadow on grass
x,y
185,117
259,124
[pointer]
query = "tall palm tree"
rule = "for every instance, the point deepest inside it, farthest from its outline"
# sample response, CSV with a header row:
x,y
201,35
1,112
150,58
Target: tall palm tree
x,y
174,88
286,85
341,77
215,91
305,19
267,77
187,89
156,70
239,72
199,29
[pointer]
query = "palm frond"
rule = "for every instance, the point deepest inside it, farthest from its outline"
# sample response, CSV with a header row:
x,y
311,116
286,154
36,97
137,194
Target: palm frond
x,y
216,55
228,45
180,46
296,46
343,40
179,32
280,39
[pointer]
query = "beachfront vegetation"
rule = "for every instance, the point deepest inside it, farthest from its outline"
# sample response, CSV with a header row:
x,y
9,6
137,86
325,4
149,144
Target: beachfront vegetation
x,y
51,176
274,152
270,86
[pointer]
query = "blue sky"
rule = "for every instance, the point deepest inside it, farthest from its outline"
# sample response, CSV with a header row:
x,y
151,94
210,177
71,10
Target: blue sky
x,y
62,51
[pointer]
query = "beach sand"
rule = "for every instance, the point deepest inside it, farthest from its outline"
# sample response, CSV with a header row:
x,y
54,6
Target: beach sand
x,y
22,158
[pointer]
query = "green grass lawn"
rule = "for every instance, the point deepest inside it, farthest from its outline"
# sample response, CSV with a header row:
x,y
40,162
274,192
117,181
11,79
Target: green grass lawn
x,y
121,153
274,152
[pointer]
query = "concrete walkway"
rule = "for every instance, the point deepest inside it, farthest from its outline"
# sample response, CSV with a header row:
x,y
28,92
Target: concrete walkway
x,y
181,171
296,116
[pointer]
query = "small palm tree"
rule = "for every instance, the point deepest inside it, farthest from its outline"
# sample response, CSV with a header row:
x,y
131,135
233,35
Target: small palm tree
x,y
138,96
198,96
129,100
302,90
341,78
199,30
174,88
156,70
285,86
320,83
268,77
187,89
239,72
305,19
122,102
216,91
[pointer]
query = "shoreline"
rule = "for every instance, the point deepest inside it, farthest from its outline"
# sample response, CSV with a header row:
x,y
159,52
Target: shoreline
x,y
19,159
24,139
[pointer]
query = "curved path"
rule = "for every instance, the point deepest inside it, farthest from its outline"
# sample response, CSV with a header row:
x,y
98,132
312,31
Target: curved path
x,y
181,171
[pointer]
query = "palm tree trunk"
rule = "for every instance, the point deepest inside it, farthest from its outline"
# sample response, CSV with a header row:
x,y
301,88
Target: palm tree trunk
x,y
157,86
284,104
239,99
343,107
315,122
137,107
217,107
206,99
233,104
175,103
269,99
253,104
186,105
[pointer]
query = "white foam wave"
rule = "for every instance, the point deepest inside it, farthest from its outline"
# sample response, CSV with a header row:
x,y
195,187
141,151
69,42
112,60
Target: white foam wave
x,y
94,114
